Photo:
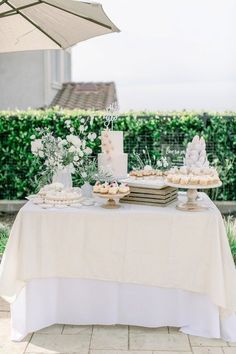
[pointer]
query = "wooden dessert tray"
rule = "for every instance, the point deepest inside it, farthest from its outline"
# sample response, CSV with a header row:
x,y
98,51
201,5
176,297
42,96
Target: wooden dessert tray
x,y
145,182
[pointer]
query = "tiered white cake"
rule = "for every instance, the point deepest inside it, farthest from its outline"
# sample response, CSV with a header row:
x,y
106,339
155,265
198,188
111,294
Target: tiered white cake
x,y
113,160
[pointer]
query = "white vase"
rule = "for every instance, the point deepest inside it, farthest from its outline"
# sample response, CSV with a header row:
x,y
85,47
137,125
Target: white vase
x,y
64,176
87,190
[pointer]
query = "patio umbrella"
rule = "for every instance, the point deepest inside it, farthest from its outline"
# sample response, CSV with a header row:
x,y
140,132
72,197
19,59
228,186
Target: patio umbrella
x,y
50,24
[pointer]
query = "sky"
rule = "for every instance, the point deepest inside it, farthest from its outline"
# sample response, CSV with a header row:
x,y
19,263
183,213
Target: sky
x,y
169,55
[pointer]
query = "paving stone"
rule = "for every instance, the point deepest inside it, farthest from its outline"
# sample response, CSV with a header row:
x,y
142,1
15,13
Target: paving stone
x,y
229,350
157,329
81,351
169,352
150,339
69,329
138,329
120,352
4,314
5,326
232,344
110,337
207,350
44,343
174,330
9,347
206,342
54,329
4,306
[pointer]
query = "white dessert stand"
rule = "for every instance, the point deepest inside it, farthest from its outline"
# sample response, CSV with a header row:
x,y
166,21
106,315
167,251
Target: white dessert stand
x,y
112,200
192,204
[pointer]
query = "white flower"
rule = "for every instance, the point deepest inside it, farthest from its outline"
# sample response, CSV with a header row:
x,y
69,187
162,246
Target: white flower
x,y
36,145
73,139
72,130
68,122
81,128
83,144
62,143
72,149
41,153
32,137
88,150
92,136
76,158
81,154
159,163
165,164
82,120
84,174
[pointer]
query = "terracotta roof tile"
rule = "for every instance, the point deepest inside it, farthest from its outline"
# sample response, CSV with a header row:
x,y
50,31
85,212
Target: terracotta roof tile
x,y
86,95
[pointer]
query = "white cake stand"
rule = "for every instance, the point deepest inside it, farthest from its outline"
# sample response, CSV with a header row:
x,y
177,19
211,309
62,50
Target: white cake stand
x,y
112,199
192,204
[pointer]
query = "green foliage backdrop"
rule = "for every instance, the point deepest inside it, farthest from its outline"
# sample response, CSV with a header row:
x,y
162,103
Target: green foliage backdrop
x,y
19,170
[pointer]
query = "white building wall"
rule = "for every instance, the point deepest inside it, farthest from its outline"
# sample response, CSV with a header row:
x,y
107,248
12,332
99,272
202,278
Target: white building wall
x,y
32,79
21,80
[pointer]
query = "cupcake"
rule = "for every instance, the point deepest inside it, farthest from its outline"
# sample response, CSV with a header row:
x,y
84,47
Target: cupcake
x,y
173,170
97,187
139,174
176,178
184,180
203,180
104,188
183,170
133,173
194,180
169,178
124,188
147,173
158,173
113,188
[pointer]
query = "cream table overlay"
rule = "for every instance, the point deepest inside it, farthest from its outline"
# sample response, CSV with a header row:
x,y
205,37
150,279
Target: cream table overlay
x,y
135,245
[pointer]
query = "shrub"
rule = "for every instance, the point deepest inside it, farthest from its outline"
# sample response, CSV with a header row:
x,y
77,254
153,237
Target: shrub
x,y
230,225
19,170
4,234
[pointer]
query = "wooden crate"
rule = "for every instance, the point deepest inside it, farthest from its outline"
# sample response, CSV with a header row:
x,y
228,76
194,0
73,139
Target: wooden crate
x,y
147,196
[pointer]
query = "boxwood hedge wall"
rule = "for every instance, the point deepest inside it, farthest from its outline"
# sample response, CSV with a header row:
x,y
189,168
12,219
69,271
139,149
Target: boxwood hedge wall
x,y
19,170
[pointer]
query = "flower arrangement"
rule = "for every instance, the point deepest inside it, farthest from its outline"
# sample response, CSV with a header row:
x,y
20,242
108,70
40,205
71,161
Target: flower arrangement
x,y
57,153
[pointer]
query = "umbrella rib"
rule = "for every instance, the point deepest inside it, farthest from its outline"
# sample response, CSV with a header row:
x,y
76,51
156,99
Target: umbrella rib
x,y
34,24
14,12
80,16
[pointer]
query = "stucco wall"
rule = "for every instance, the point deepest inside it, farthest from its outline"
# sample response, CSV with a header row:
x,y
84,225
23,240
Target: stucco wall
x,y
21,80
27,80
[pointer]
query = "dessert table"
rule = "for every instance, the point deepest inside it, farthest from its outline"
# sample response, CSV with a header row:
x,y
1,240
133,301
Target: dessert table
x,y
137,265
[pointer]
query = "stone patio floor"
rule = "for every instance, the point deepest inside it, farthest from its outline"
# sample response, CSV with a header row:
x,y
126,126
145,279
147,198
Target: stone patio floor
x,y
62,339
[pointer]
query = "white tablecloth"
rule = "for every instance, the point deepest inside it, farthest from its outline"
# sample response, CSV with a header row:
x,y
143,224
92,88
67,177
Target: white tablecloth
x,y
146,246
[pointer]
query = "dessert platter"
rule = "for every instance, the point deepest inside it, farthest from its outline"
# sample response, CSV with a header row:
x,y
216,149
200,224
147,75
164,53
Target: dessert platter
x,y
195,174
55,195
146,178
147,173
112,192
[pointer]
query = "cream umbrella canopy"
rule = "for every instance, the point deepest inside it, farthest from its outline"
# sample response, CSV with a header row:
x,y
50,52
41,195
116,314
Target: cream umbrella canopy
x,y
50,24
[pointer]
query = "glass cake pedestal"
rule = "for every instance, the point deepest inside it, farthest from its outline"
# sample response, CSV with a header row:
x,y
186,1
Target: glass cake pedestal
x,y
192,203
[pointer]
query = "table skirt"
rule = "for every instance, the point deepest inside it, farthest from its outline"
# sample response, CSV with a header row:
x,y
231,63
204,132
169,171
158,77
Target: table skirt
x,y
44,302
